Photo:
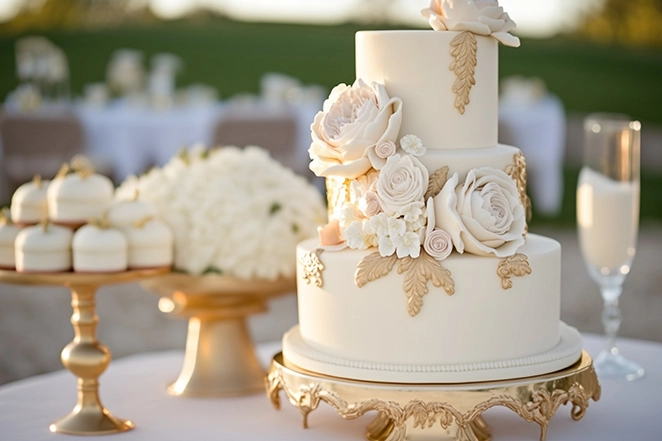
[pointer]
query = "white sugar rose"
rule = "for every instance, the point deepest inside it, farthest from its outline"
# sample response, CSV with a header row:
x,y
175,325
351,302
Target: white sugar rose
x,y
438,244
353,121
483,216
402,181
385,149
369,204
482,17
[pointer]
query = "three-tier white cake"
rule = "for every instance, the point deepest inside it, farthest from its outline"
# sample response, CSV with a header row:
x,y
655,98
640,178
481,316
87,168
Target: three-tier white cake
x,y
425,271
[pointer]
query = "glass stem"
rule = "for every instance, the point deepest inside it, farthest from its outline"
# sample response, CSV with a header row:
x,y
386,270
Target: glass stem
x,y
611,315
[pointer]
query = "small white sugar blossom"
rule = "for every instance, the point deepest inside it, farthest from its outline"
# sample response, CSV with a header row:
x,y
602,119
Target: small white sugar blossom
x,y
409,244
360,236
233,211
413,212
413,145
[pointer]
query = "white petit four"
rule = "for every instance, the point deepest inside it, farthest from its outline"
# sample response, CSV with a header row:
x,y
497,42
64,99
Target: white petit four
x,y
43,248
151,244
8,233
123,214
74,198
99,249
29,205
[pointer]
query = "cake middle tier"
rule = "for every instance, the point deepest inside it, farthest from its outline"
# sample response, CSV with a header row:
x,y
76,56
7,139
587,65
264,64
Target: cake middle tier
x,y
480,322
419,68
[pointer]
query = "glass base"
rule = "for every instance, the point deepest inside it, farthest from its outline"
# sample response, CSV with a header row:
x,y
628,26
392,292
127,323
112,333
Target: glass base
x,y
612,365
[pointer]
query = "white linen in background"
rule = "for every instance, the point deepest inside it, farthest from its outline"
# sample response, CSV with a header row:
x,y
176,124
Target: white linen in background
x,y
132,139
134,388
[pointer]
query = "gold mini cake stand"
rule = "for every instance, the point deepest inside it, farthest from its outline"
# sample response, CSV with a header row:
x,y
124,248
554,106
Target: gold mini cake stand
x,y
409,411
220,357
85,356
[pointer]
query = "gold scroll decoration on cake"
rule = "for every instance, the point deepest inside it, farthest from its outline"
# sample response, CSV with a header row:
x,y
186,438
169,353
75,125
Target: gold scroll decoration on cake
x,y
418,272
517,171
313,267
337,193
463,49
516,265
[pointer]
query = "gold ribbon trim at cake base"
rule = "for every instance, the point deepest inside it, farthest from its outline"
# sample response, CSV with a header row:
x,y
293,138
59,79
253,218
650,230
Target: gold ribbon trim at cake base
x,y
313,267
535,399
516,265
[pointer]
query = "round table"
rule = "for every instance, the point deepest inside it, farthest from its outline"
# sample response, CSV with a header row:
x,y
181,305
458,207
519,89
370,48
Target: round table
x,y
135,387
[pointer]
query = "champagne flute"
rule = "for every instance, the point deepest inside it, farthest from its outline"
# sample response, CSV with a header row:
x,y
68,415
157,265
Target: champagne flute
x,y
608,220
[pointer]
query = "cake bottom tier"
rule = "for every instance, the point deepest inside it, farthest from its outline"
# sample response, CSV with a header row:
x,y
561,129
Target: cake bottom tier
x,y
564,354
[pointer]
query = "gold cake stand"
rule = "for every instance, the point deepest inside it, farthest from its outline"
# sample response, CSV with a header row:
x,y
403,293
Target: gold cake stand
x,y
85,356
220,357
442,411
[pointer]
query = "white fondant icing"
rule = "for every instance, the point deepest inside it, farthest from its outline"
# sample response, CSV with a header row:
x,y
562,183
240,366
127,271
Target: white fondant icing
x,y
8,233
480,322
123,214
415,67
151,245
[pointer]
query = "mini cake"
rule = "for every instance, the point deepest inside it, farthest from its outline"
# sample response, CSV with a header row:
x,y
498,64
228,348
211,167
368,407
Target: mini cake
x,y
124,214
8,233
150,244
99,249
43,248
73,198
29,205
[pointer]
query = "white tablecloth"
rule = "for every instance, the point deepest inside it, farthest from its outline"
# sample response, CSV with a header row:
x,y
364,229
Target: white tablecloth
x,y
131,139
134,388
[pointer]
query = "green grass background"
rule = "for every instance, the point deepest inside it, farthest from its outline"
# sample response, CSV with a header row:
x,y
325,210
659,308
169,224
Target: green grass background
x,y
232,57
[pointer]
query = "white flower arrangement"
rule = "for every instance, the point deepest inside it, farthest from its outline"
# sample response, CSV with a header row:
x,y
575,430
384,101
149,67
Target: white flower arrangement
x,y
232,211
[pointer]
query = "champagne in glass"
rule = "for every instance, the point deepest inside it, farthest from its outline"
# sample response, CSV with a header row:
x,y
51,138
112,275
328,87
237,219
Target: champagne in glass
x,y
607,220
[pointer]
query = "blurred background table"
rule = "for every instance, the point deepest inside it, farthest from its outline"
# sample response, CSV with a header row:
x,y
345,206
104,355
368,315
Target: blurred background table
x,y
135,386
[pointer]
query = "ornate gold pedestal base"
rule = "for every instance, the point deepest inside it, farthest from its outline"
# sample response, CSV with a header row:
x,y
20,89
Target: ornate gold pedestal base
x,y
85,356
220,356
442,411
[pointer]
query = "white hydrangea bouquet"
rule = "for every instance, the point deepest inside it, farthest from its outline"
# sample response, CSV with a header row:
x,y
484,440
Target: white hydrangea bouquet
x,y
233,211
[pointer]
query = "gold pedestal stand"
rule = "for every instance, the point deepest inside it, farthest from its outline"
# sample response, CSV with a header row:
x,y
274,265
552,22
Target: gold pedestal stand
x,y
445,411
85,356
220,358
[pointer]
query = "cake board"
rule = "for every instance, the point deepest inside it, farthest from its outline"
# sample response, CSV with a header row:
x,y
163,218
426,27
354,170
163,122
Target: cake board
x,y
443,411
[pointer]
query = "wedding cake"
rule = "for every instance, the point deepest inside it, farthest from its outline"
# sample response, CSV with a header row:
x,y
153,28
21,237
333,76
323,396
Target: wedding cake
x,y
425,271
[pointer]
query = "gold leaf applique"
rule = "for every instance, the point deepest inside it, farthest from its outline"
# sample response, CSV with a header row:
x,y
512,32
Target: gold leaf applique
x,y
464,48
417,274
516,265
436,182
313,267
372,267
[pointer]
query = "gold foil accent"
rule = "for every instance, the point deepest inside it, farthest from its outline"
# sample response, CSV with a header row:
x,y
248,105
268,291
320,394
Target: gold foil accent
x,y
5,216
337,193
101,223
436,182
81,165
313,267
140,223
63,171
436,408
372,267
36,180
463,48
417,272
516,265
517,171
